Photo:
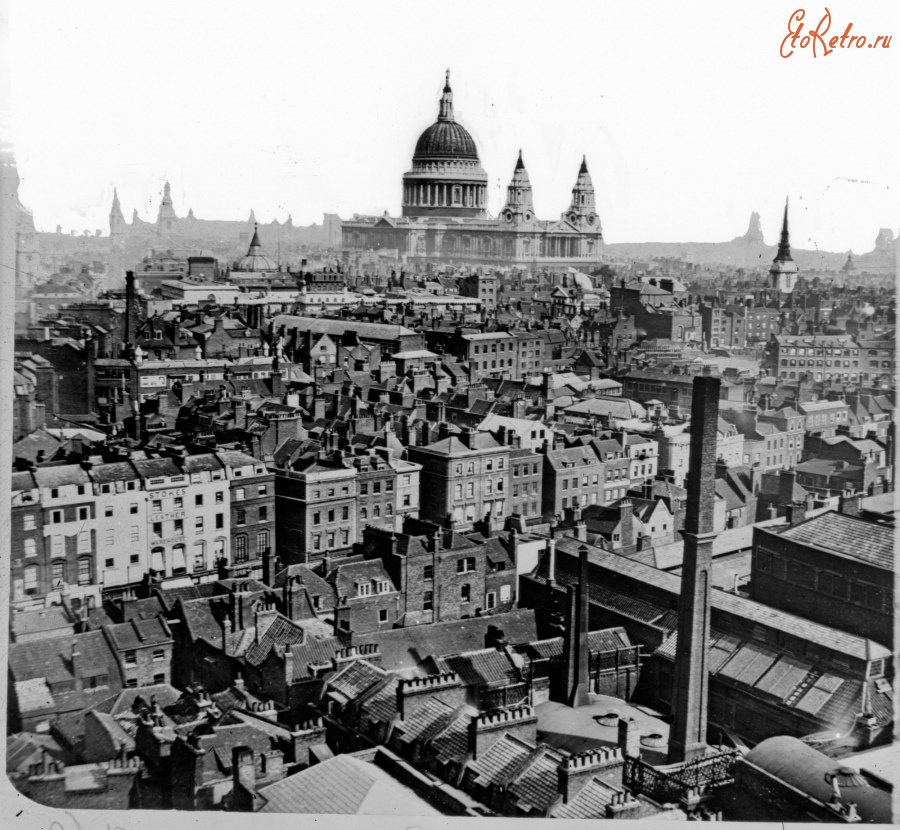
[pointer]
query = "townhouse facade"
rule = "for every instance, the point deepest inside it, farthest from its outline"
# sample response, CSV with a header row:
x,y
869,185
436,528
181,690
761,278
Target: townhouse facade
x,y
94,530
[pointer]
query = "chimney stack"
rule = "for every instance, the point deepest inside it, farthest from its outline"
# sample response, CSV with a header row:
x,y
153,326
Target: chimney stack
x,y
691,694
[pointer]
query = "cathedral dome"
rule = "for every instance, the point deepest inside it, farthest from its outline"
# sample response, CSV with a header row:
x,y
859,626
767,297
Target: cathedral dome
x,y
445,140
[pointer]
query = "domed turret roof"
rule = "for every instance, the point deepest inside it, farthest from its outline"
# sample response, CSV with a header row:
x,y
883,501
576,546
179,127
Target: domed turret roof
x,y
255,260
445,138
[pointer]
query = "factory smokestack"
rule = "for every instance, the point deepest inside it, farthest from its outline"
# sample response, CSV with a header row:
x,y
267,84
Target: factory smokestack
x,y
687,737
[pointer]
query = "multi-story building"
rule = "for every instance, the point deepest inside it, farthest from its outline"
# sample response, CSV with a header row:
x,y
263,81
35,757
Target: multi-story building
x,y
526,482
482,287
572,476
822,418
442,574
252,499
877,357
464,476
815,357
773,439
325,502
96,530
317,508
529,352
489,354
833,567
763,322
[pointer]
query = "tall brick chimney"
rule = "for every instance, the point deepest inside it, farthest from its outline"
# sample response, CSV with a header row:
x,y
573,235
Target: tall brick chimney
x,y
687,738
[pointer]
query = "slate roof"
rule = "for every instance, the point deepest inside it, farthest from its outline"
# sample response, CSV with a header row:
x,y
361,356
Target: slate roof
x,y
847,536
355,678
342,785
403,649
480,668
536,784
589,802
139,634
501,762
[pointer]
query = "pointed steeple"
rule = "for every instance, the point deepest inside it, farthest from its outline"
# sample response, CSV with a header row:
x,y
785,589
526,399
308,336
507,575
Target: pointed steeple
x,y
115,212
254,243
784,246
167,194
583,205
519,204
446,111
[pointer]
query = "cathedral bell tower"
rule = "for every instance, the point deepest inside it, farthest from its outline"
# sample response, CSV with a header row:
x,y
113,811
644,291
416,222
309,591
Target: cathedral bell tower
x,y
582,212
519,207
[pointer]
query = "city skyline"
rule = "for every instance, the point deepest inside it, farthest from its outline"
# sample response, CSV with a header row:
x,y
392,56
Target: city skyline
x,y
656,158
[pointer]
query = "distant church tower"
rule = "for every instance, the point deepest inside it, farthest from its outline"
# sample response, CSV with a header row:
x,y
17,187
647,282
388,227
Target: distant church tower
x,y
116,223
166,220
784,272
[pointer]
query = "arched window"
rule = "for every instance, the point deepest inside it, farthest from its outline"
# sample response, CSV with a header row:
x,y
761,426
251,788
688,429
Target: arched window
x,y
158,560
179,562
363,513
240,548
220,550
376,511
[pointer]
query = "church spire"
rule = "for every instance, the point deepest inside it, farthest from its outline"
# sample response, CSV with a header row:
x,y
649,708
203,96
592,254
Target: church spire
x,y
583,165
784,247
520,165
446,111
116,209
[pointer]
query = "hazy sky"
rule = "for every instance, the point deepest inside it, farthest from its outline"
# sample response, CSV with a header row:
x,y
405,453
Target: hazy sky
x,y
689,117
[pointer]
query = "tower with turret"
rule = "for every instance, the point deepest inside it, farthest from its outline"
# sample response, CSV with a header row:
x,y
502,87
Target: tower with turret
x,y
582,212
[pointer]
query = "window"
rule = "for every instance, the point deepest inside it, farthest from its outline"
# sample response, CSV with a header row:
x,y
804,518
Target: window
x,y
198,500
54,493
363,513
56,517
108,511
428,601
466,565
240,548
135,558
382,615
363,589
84,541
130,658
465,593
179,526
159,655
263,513
134,509
30,585
376,512
220,497
159,679
84,571
156,505
131,683
179,503
262,490
239,494
317,541
491,600
179,563
199,556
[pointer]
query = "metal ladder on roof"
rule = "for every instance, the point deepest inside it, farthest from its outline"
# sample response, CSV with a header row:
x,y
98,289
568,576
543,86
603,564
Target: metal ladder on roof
x,y
800,689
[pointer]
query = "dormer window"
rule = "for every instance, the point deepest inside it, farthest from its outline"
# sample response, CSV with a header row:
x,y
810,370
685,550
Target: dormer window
x,y
382,586
363,589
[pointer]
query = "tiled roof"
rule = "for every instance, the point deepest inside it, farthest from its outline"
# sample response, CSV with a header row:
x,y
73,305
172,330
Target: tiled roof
x,y
847,536
382,706
452,743
429,718
281,632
